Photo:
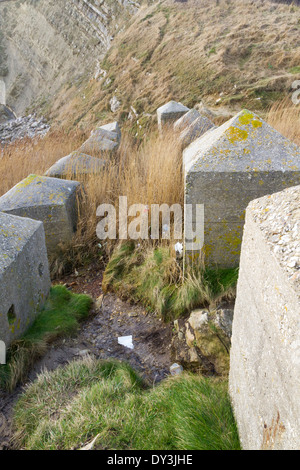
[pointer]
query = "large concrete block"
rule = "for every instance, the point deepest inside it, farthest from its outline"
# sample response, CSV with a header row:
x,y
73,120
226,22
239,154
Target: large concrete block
x,y
169,113
229,166
195,130
99,144
113,129
50,200
186,120
265,354
24,274
76,165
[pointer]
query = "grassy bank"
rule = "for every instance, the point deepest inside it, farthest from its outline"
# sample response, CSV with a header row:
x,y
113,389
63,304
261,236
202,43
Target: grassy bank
x,y
153,276
59,317
108,401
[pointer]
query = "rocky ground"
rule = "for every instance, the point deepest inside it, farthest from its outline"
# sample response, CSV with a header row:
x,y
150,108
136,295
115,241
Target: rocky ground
x,y
21,127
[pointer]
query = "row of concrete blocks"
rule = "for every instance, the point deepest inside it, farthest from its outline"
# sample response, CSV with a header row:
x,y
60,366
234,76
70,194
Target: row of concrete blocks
x,y
187,124
91,157
53,200
37,216
225,168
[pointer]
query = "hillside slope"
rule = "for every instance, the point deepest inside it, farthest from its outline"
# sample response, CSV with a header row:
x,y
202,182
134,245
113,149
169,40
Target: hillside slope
x,y
235,54
228,54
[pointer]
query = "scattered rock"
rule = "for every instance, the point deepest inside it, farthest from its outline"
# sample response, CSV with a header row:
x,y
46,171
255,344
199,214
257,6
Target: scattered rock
x,y
83,353
6,114
21,127
115,104
202,341
176,369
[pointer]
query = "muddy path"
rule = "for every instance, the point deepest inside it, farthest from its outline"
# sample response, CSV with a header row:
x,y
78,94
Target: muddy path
x,y
110,319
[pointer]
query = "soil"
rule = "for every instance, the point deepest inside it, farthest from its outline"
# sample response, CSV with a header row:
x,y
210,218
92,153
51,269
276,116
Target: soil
x,y
98,336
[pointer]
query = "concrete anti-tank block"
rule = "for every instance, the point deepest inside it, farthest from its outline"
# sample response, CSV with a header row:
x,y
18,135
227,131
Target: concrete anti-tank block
x,y
265,353
169,113
195,130
76,165
50,200
111,131
225,169
24,274
186,120
99,144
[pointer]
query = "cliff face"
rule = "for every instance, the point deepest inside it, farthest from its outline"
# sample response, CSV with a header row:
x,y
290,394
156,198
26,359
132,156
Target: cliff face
x,y
45,43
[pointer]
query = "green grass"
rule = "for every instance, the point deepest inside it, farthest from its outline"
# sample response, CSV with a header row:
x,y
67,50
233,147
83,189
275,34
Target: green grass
x,y
154,277
60,316
69,407
295,70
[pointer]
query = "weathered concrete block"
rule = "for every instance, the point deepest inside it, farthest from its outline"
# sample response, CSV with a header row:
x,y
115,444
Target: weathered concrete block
x,y
24,274
50,200
105,134
169,113
198,128
76,165
97,145
112,127
241,160
186,120
265,353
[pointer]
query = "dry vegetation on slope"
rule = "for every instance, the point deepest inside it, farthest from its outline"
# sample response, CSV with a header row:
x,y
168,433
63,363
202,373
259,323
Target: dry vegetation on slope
x,y
247,51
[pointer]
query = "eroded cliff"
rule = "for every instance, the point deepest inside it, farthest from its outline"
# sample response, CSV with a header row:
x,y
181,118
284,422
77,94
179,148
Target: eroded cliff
x,y
45,43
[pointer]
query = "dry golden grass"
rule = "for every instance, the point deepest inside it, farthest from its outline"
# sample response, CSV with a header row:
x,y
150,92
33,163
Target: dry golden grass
x,y
28,156
285,117
148,174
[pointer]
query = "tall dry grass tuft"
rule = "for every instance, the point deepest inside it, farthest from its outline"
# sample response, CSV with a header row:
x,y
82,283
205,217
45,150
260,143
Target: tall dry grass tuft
x,y
147,174
34,156
285,117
